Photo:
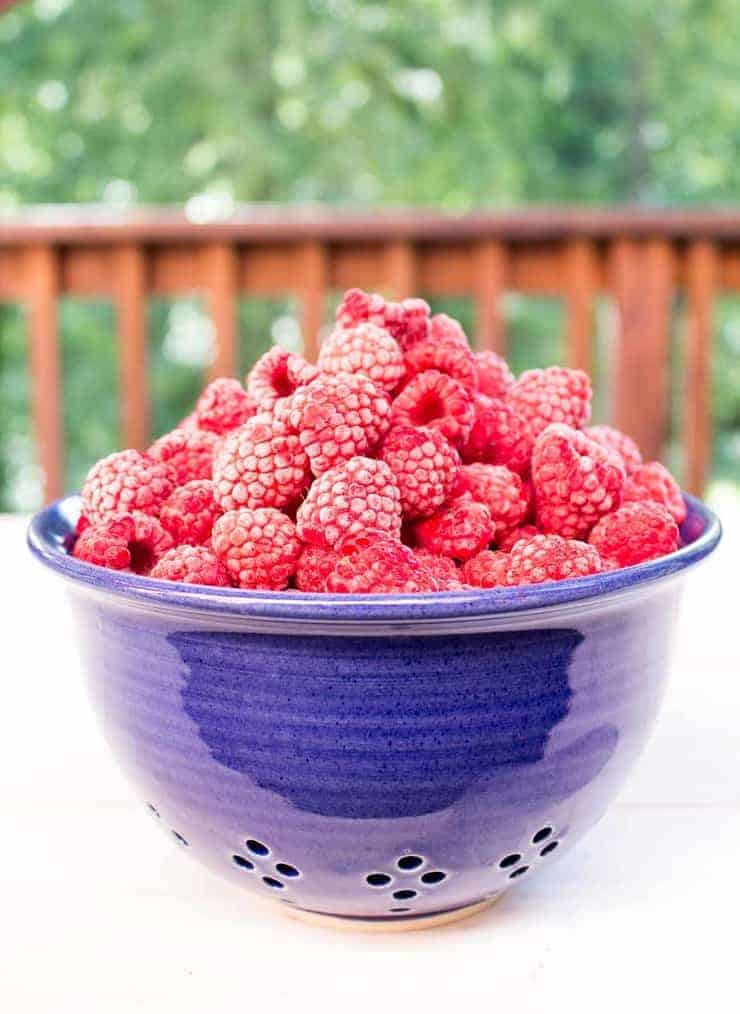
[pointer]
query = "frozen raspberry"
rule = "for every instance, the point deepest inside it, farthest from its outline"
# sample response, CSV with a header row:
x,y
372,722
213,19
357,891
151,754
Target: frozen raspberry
x,y
555,395
191,564
445,330
498,436
339,417
460,530
456,361
127,481
259,548
575,481
619,443
634,533
383,566
407,322
189,512
501,490
507,542
433,399
364,348
188,451
356,495
550,558
653,481
223,406
486,570
130,541
315,564
424,466
495,379
277,374
442,568
262,464
83,523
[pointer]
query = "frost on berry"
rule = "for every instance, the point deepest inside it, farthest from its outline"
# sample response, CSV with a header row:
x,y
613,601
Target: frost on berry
x,y
364,348
554,395
407,322
495,379
424,465
127,481
445,330
262,464
442,568
223,405
498,436
455,360
507,541
614,440
277,374
259,548
486,570
634,533
550,558
575,481
188,451
191,565
460,530
383,566
500,489
189,512
438,401
653,481
356,495
315,564
127,541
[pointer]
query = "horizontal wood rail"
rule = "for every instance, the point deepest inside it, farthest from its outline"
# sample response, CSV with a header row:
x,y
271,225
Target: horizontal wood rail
x,y
641,260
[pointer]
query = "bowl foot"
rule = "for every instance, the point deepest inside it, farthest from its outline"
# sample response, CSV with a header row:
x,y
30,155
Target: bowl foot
x,y
386,924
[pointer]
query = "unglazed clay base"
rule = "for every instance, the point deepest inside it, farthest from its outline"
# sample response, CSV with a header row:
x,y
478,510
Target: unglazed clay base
x,y
406,925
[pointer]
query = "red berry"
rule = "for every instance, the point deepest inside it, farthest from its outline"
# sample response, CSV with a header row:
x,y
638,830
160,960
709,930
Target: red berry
x,y
460,530
445,330
223,406
259,548
575,481
189,512
127,481
339,417
424,466
498,437
130,541
495,379
193,565
507,542
486,570
262,464
351,497
188,451
435,400
442,568
381,567
315,564
550,558
453,359
366,349
277,374
653,481
618,442
407,322
634,533
501,490
554,395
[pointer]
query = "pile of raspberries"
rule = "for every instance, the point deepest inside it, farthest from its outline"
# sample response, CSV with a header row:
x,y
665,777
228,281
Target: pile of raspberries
x,y
403,461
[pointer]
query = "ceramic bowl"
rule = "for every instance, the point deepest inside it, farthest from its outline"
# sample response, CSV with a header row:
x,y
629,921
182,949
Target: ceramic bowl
x,y
392,761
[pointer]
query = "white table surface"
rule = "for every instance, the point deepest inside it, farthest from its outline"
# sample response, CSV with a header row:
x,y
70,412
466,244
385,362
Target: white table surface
x,y
100,912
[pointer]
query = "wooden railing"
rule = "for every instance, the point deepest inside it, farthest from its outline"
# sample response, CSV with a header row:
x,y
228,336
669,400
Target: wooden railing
x,y
642,260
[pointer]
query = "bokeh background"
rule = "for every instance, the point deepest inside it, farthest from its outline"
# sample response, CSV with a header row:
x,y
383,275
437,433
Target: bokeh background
x,y
446,104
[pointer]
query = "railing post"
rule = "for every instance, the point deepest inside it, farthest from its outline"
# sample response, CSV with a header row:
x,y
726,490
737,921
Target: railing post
x,y
400,269
314,269
580,293
701,283
490,280
42,275
221,274
131,313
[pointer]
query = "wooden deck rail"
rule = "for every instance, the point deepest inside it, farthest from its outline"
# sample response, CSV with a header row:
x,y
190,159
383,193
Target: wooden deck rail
x,y
640,260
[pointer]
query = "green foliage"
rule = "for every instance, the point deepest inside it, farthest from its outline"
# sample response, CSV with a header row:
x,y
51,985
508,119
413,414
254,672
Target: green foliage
x,y
450,103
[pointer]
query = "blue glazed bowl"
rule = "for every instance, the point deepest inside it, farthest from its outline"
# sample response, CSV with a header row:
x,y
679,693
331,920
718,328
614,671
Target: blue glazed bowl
x,y
393,760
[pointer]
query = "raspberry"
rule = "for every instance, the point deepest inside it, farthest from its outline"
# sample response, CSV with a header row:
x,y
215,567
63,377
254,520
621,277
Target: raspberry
x,y
557,394
460,530
315,564
366,349
383,566
618,442
126,481
276,375
550,558
223,406
189,512
575,481
356,495
498,436
495,379
455,360
407,322
446,330
188,451
193,565
501,490
442,568
262,464
433,399
634,533
259,548
424,466
653,481
486,570
130,541
507,542
339,417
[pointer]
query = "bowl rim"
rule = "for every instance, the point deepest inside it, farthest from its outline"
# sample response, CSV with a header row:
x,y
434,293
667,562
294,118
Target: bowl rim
x,y
52,527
